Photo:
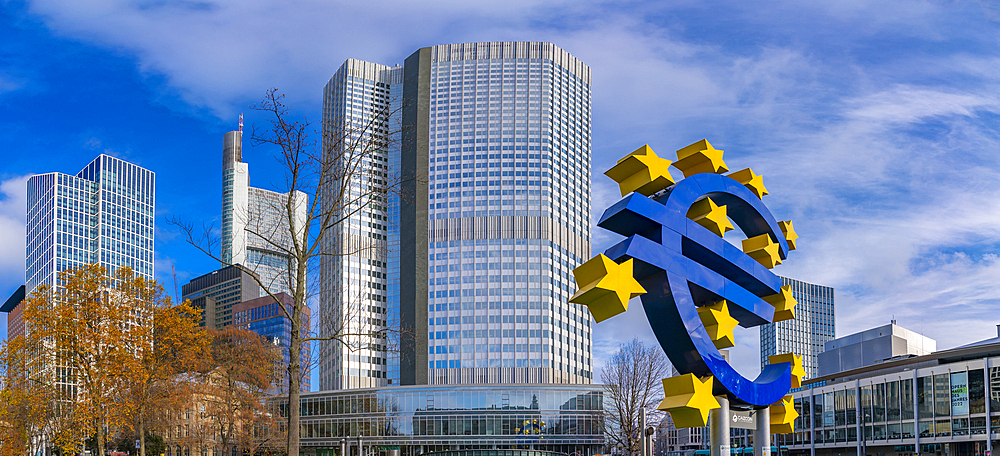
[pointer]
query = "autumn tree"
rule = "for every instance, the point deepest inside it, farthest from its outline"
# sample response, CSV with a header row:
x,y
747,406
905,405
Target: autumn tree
x,y
80,325
169,347
632,383
25,404
234,390
335,179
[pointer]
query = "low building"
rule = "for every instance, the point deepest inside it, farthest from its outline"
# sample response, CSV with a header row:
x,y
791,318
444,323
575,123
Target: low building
x,y
931,404
873,346
425,419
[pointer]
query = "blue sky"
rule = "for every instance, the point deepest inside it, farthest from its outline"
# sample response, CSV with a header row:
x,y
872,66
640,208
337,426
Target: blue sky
x,y
874,124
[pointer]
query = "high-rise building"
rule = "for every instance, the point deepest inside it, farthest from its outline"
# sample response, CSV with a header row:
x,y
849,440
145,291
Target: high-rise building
x,y
806,334
491,144
215,294
255,231
267,318
102,215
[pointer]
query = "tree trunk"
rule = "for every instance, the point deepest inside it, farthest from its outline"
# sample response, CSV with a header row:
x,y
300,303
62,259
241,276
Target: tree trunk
x,y
142,435
100,437
294,361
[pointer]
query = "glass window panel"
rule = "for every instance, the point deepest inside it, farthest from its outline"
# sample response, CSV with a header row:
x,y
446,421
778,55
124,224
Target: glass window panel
x,y
942,396
893,431
907,429
852,407
878,403
828,410
960,426
942,428
926,428
892,402
818,409
878,432
840,407
994,390
925,397
866,403
906,399
977,426
852,434
977,391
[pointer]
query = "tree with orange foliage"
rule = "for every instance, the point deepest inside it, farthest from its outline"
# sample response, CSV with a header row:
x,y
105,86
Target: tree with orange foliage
x,y
79,327
169,349
25,404
100,353
244,367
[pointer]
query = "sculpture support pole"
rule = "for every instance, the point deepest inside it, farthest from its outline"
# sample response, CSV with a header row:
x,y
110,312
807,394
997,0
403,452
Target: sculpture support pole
x,y
762,435
718,430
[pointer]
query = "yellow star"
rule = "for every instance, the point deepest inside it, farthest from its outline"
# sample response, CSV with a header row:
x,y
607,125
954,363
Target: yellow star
x,y
797,370
700,157
711,216
789,231
605,286
719,324
688,400
642,172
784,304
752,181
763,249
783,416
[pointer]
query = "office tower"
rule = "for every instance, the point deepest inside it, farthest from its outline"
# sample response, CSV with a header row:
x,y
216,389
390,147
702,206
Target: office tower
x,y
215,294
265,317
805,335
493,152
255,230
103,215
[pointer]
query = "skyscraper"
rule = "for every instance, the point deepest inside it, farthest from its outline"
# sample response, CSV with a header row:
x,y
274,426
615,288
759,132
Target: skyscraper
x,y
805,335
255,231
492,144
103,215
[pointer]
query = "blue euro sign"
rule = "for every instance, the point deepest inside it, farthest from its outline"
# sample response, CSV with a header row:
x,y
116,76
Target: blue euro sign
x,y
682,265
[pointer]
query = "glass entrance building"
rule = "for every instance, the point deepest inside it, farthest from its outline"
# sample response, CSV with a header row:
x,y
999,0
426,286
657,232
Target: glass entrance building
x,y
424,419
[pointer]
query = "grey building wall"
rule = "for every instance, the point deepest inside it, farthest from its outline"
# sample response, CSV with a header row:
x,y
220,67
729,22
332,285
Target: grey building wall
x,y
872,346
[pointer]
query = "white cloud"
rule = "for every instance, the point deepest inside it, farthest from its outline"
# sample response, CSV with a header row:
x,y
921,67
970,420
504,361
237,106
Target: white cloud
x,y
13,212
889,176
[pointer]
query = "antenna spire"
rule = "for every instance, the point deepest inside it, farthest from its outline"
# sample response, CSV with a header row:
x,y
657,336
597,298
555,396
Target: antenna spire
x,y
241,123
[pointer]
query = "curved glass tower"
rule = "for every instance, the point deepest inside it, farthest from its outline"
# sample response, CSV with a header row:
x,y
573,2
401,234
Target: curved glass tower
x,y
494,160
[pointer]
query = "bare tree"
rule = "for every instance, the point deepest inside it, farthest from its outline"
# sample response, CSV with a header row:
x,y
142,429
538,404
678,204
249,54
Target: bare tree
x,y
327,183
631,381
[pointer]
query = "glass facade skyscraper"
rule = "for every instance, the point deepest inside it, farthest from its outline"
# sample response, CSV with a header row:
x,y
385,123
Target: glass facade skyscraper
x,y
805,335
103,214
493,154
255,231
